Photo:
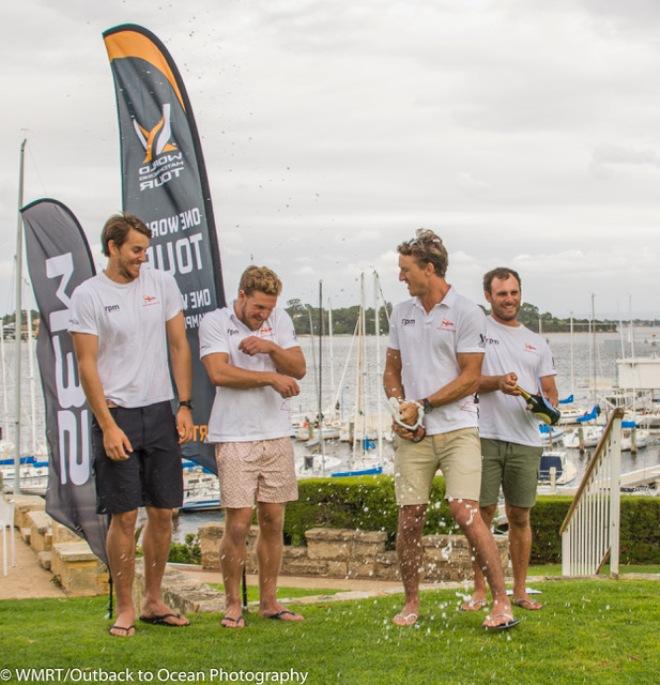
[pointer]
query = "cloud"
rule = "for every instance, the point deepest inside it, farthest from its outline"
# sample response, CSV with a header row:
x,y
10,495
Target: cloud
x,y
517,130
622,156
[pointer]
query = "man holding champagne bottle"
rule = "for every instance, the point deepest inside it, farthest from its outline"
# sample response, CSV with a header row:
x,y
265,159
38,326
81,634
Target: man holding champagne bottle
x,y
516,360
434,363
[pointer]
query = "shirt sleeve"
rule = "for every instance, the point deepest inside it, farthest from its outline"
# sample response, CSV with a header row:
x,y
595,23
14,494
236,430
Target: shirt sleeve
x,y
393,342
172,297
546,363
212,337
82,316
471,334
285,333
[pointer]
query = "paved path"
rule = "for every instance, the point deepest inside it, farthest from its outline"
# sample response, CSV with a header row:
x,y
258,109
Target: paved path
x,y
307,582
27,579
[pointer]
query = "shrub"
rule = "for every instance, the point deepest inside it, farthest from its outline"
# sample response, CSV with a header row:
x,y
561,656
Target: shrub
x,y
360,502
640,529
367,503
187,553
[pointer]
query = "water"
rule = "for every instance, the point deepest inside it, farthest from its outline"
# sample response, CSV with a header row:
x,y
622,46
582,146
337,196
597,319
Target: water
x,y
609,348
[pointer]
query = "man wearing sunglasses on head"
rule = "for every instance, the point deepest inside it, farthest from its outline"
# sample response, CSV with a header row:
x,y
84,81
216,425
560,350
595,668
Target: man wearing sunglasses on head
x,y
433,363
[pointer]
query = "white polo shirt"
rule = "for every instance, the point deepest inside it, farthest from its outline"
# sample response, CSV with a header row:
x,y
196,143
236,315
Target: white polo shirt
x,y
429,345
129,321
513,348
242,415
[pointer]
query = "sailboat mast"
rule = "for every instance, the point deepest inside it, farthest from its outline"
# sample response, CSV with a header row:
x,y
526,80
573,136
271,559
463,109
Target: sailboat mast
x,y
332,356
572,360
33,401
5,408
377,393
593,345
365,400
321,440
18,325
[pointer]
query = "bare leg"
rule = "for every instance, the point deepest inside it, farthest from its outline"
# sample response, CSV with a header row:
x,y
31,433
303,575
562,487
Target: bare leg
x,y
478,599
466,513
410,553
156,547
269,554
232,560
520,546
120,546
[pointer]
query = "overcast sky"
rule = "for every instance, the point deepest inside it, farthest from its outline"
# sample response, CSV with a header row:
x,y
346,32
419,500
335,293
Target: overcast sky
x,y
525,133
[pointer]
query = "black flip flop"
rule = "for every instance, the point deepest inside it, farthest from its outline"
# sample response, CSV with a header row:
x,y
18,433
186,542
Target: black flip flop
x,y
503,626
277,616
161,620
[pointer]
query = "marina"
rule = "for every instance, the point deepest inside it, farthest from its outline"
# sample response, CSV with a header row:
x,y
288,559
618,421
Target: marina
x,y
343,452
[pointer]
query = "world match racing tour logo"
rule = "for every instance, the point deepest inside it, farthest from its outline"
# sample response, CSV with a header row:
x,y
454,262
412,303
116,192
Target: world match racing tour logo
x,y
163,161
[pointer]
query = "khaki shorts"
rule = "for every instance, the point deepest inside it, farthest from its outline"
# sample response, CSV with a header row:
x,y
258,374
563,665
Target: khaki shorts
x,y
515,467
262,470
457,454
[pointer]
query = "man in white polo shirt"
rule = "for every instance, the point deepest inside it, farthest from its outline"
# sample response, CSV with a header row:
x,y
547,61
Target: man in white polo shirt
x,y
251,354
434,360
124,321
511,443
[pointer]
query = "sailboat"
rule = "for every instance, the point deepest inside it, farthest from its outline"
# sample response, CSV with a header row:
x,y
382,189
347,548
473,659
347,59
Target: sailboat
x,y
16,482
315,462
367,432
21,474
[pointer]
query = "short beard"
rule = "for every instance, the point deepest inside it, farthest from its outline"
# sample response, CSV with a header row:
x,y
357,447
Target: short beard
x,y
506,317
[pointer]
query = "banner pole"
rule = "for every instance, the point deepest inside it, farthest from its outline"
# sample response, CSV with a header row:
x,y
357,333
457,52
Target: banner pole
x,y
244,583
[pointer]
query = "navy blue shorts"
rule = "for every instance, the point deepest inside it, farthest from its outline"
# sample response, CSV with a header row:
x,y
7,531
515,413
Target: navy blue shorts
x,y
152,474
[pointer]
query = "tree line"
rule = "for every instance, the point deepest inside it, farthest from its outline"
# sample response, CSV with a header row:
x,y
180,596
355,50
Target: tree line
x,y
344,320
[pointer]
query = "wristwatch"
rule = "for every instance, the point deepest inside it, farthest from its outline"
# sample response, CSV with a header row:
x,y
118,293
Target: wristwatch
x,y
426,405
185,403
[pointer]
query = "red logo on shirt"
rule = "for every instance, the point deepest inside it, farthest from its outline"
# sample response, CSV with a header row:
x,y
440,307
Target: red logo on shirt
x,y
149,299
447,325
265,330
529,348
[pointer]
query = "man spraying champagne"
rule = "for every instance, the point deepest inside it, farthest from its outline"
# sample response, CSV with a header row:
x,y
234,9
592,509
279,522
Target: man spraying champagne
x,y
539,406
511,444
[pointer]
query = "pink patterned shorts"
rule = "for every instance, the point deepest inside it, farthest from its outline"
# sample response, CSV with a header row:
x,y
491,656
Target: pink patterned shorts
x,y
261,470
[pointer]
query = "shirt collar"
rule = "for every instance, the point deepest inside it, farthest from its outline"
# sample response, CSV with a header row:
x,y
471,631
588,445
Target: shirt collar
x,y
448,301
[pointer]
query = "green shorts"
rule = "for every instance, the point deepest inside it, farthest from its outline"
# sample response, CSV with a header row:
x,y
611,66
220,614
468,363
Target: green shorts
x,y
514,467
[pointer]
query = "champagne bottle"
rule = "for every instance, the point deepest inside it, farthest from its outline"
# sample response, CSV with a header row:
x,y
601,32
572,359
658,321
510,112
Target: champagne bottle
x,y
540,407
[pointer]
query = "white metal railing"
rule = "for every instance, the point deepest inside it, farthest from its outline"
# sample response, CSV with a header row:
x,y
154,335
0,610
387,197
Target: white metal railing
x,y
590,531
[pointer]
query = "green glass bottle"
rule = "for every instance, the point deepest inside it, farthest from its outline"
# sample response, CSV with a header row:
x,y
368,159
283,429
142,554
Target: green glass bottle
x,y
540,407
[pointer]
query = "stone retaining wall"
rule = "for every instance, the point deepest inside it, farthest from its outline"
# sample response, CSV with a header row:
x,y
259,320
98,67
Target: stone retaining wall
x,y
342,553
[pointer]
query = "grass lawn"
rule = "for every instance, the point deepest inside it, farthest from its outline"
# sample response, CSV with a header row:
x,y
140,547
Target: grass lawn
x,y
555,569
589,632
288,592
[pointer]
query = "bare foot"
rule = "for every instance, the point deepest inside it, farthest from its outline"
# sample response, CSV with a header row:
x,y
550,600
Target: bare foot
x,y
232,622
408,616
501,617
124,626
526,603
475,603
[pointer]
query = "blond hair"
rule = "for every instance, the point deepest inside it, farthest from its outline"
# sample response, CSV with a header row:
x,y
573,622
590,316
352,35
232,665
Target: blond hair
x,y
260,278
